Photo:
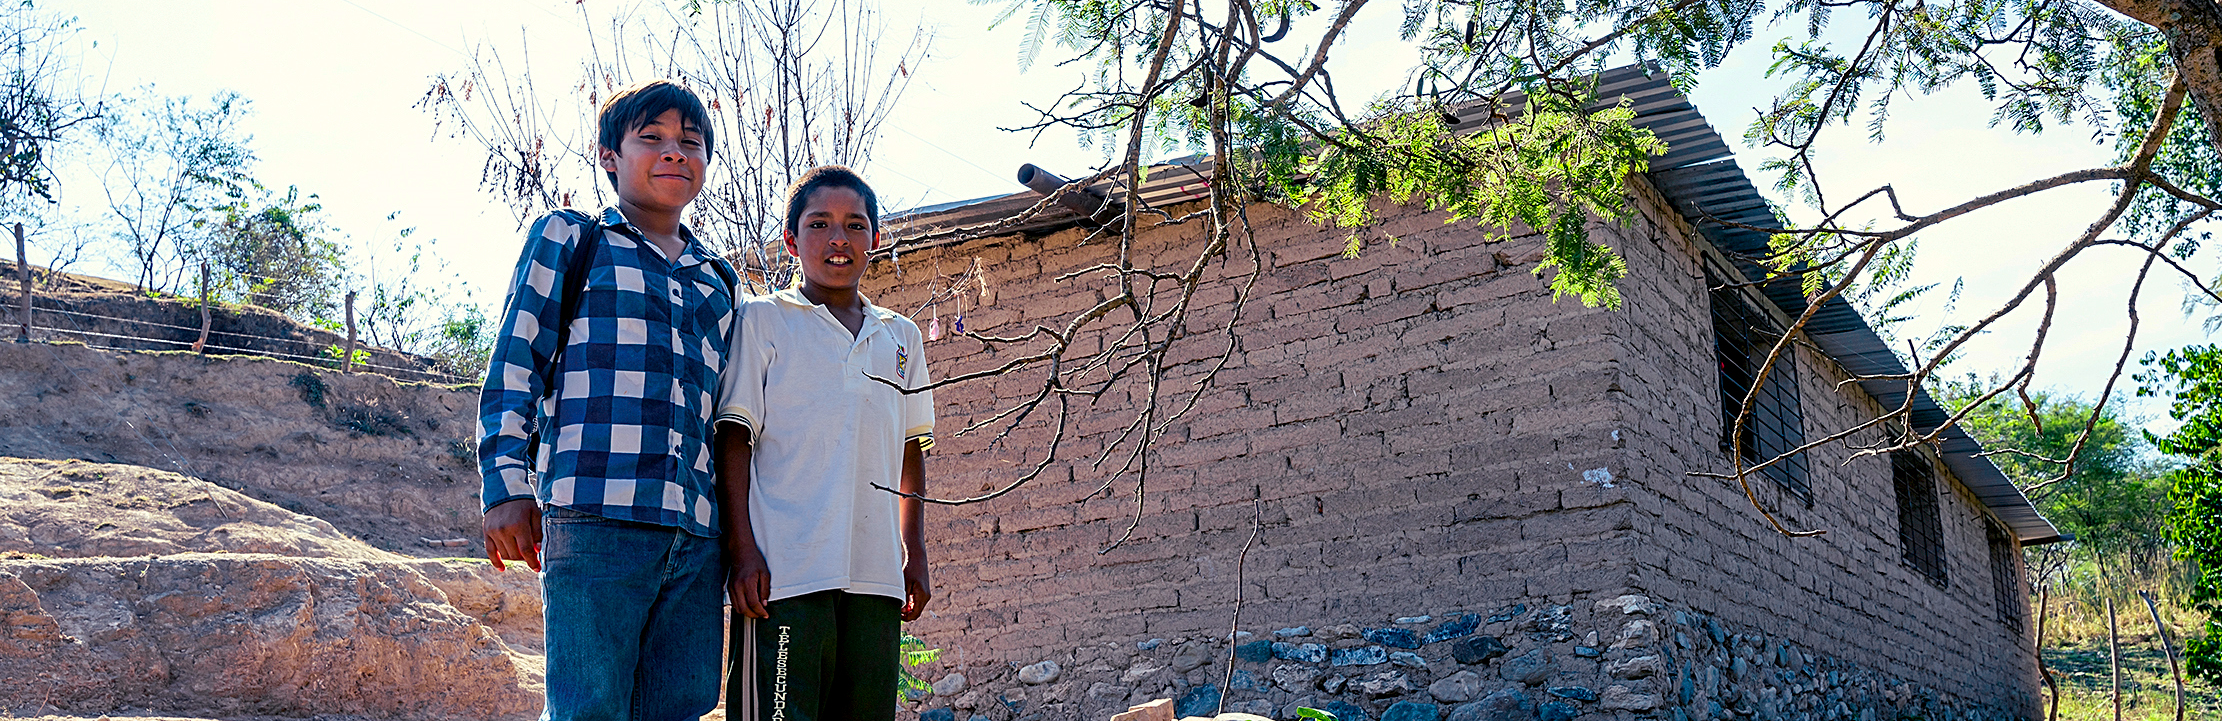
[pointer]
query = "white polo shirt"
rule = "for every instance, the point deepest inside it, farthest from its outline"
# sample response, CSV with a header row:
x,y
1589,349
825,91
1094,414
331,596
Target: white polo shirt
x,y
822,434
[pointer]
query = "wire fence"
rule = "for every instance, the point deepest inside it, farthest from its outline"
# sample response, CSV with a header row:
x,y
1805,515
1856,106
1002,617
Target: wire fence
x,y
236,343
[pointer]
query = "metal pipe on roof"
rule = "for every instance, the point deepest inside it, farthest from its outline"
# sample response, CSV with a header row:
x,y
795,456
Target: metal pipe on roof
x,y
1088,203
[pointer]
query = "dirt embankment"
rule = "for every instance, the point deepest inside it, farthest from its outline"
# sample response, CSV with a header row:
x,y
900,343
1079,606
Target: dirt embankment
x,y
240,537
126,588
384,461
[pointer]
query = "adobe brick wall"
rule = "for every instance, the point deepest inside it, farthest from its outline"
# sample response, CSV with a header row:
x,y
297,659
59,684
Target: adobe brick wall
x,y
1427,434
1845,594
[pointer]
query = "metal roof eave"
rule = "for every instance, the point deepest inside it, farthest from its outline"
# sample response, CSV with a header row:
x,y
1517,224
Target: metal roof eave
x,y
1699,176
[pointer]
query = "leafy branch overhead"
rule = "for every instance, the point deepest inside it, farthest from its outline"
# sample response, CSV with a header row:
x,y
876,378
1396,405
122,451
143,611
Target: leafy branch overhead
x,y
1496,126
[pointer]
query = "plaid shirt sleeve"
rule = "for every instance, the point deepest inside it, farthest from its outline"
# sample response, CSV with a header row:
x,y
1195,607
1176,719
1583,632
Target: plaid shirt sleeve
x,y
521,368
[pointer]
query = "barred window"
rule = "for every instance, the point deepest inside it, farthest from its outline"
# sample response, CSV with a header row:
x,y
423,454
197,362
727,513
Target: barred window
x,y
1742,337
2005,575
1920,527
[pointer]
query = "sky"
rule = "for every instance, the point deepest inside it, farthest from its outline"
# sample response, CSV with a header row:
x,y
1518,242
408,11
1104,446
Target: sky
x,y
334,84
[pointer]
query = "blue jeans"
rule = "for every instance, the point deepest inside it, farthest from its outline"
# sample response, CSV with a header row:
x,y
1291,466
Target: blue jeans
x,y
635,618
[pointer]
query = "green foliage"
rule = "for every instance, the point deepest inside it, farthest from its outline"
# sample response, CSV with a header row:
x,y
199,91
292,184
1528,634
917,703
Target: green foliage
x,y
311,387
2113,500
38,111
1313,714
174,164
419,306
464,343
2187,155
1889,304
273,252
337,355
2193,377
1551,166
913,652
1550,169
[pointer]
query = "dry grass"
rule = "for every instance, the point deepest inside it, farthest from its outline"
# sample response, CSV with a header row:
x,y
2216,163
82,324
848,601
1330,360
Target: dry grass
x,y
2075,644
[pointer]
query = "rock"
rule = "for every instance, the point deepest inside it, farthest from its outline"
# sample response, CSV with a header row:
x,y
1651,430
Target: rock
x,y
1393,637
1199,701
78,509
1140,670
1293,632
1340,631
1478,649
949,685
1457,687
1294,678
227,635
1362,656
1508,705
1553,624
1507,614
1411,621
1386,683
1289,711
1344,711
1305,652
1408,659
506,601
1334,683
1255,651
1411,711
1556,711
1040,673
968,701
1622,698
1259,708
1633,668
1149,645
1190,659
1638,633
1158,710
1578,693
1246,681
1100,693
1459,626
939,714
1629,604
1528,668
1586,651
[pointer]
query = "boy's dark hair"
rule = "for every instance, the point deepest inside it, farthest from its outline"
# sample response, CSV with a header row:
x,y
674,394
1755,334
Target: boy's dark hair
x,y
639,103
829,176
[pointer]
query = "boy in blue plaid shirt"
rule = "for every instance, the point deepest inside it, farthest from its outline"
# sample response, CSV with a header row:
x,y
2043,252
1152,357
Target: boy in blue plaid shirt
x,y
594,426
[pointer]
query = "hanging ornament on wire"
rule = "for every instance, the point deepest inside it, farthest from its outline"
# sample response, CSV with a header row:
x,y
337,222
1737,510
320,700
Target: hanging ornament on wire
x,y
958,326
933,329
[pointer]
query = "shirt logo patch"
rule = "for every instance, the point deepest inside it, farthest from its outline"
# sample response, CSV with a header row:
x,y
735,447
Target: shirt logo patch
x,y
902,362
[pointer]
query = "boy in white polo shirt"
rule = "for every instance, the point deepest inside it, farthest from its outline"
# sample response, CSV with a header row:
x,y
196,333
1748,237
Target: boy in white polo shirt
x,y
832,564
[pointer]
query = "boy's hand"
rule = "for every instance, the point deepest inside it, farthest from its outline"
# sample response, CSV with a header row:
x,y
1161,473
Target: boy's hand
x,y
917,588
749,581
512,532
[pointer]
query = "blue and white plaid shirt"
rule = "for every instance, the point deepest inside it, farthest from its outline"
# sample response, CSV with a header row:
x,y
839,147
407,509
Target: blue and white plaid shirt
x,y
624,414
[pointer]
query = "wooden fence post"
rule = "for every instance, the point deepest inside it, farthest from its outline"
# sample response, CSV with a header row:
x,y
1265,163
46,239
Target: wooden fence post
x,y
348,365
23,275
201,346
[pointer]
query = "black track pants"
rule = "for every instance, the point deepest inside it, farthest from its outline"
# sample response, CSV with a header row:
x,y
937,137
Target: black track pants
x,y
825,656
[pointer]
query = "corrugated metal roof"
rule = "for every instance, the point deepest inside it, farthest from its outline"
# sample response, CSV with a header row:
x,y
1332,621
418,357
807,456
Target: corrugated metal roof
x,y
1698,175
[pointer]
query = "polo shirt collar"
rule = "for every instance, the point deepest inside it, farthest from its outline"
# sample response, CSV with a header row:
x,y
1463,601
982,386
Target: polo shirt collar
x,y
875,317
